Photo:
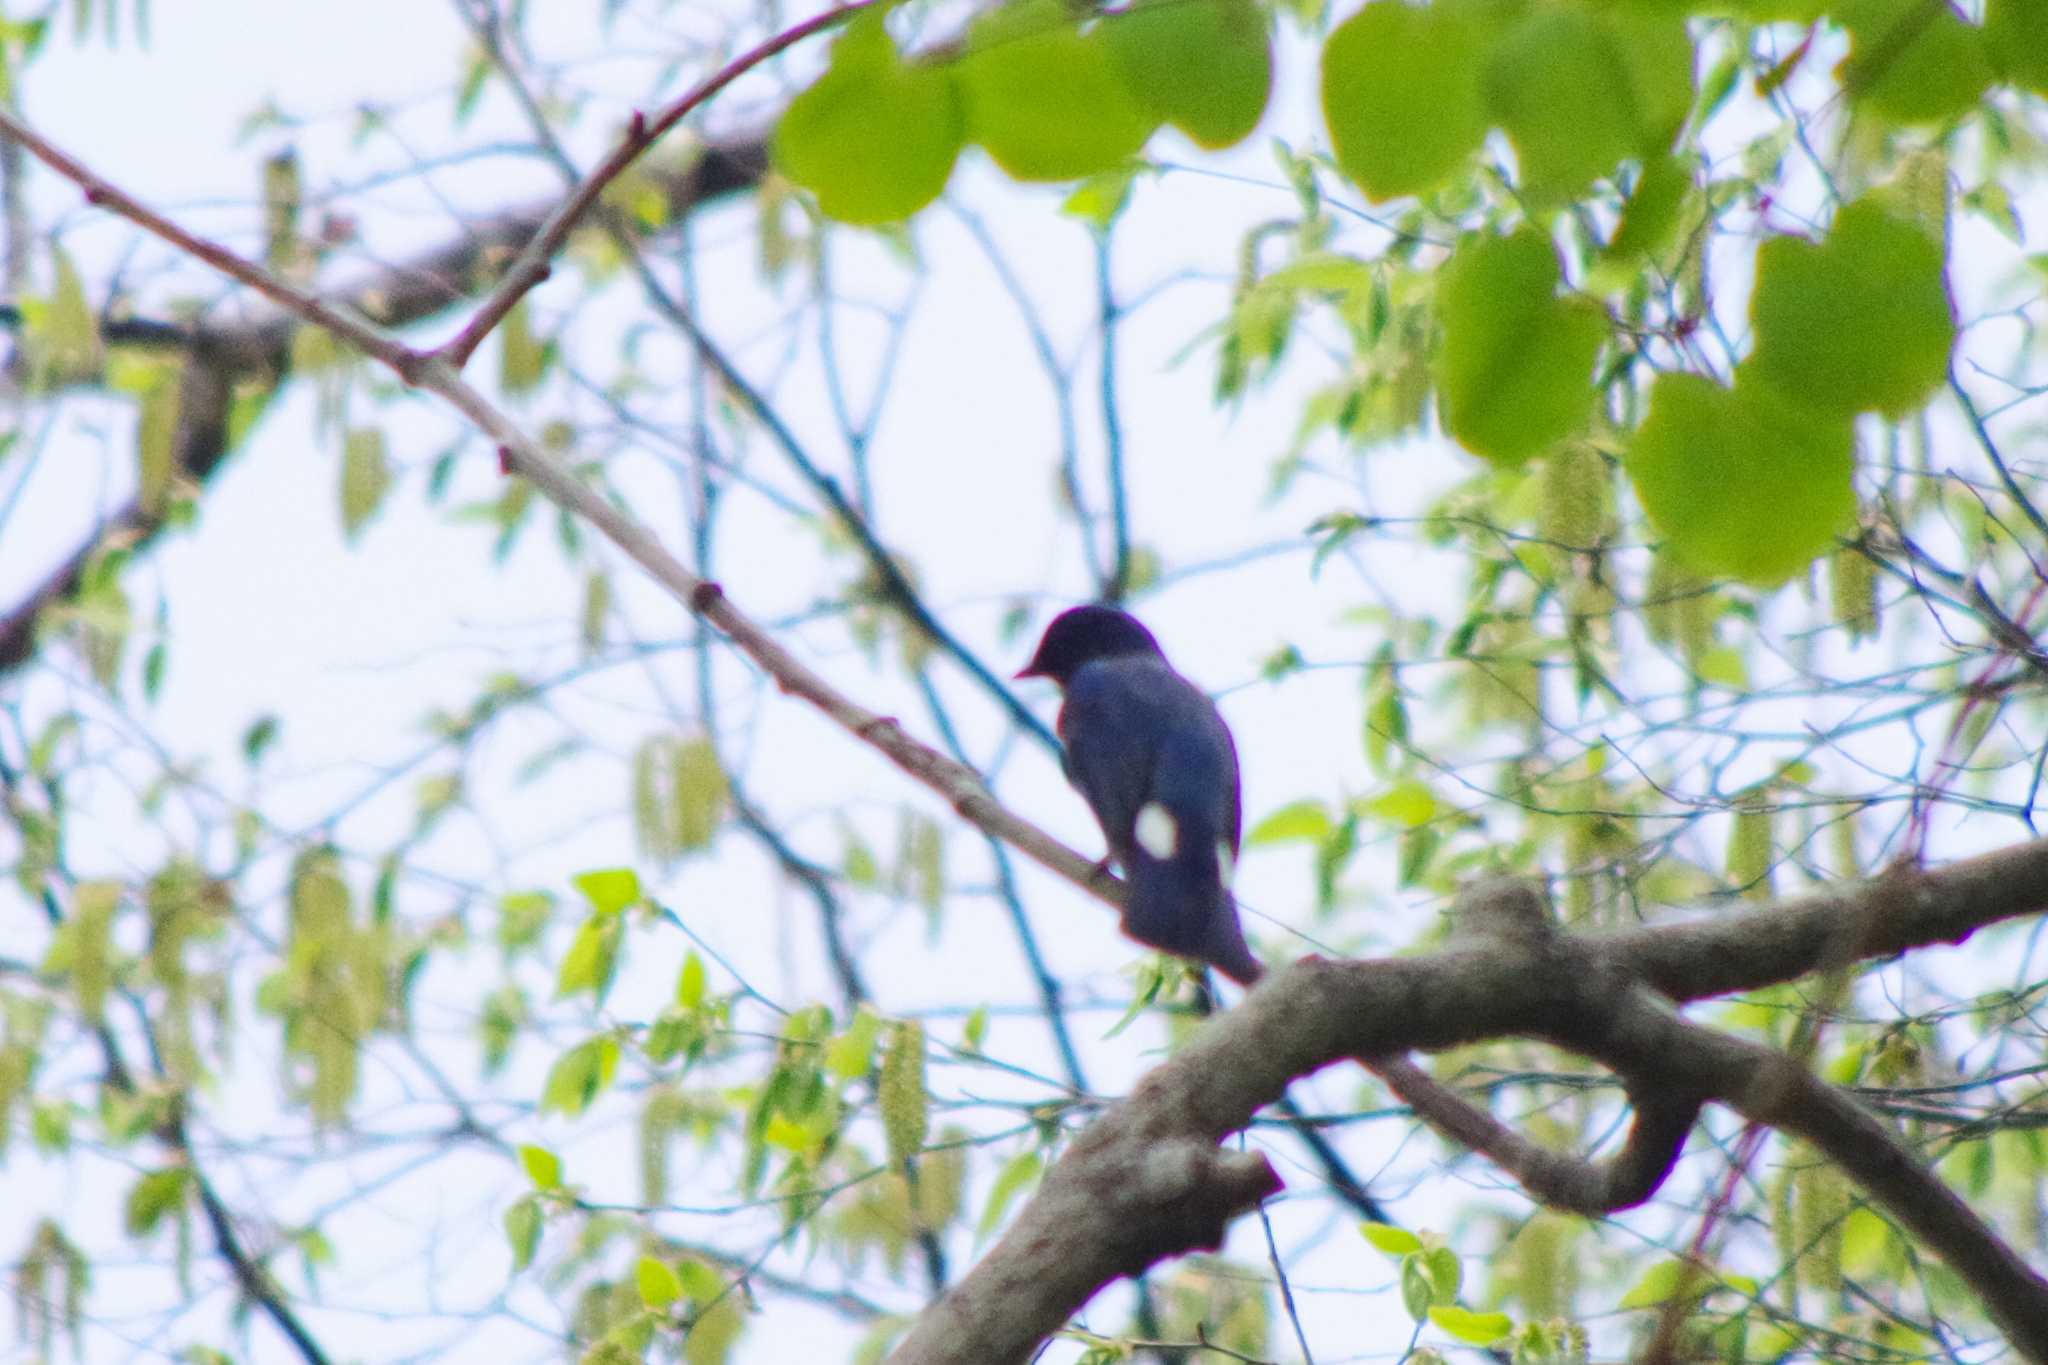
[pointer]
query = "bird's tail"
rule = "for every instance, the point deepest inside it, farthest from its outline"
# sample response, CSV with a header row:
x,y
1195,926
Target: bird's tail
x,y
1180,904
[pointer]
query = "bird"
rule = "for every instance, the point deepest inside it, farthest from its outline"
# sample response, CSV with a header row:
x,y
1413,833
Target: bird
x,y
1152,757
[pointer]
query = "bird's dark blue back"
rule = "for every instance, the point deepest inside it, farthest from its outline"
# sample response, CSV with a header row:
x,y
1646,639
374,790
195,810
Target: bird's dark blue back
x,y
1138,734
1136,731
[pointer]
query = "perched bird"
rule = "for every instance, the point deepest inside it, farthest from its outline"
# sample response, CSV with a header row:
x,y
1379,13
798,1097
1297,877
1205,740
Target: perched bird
x,y
1155,762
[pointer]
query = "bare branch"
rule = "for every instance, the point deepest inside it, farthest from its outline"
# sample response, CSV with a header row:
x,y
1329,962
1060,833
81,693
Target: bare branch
x,y
1854,921
1580,993
219,356
641,133
102,193
1624,1180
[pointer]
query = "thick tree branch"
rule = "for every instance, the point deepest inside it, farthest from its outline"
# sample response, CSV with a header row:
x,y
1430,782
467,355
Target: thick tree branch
x,y
1628,1178
1770,1088
1511,914
1902,909
1580,993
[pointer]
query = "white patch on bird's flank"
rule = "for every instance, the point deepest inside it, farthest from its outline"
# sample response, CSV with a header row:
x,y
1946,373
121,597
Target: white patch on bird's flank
x,y
1158,833
1226,862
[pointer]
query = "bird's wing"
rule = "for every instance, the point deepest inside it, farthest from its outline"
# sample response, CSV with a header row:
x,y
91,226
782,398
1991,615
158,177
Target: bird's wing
x,y
1196,774
1114,719
1136,731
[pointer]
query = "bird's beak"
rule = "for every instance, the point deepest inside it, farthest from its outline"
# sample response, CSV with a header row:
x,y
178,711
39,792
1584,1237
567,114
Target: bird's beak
x,y
1027,671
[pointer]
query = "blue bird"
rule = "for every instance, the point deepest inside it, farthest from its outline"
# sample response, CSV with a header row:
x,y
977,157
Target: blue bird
x,y
1155,762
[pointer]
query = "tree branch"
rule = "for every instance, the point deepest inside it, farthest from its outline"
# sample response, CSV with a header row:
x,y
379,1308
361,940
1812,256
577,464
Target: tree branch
x,y
1582,993
218,357
1592,1188
642,132
254,1282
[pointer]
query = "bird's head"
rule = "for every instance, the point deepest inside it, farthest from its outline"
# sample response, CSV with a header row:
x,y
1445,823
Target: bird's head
x,y
1081,635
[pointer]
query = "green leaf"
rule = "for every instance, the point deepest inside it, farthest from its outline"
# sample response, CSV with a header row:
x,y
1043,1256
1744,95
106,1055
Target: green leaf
x,y
597,607
1401,96
593,957
1417,1292
153,1196
1742,481
1446,1275
580,1075
610,889
1918,193
1852,593
1577,496
82,950
1515,369
691,982
906,1113
1577,92
874,139
851,1054
714,1330
156,428
522,1230
1204,66
1044,99
1860,321
1323,272
700,1281
1408,803
1665,1281
436,796
1912,61
1100,199
283,194
1750,844
1723,665
365,478
2016,41
542,1166
43,754
1017,1173
701,792
658,1283
1868,1243
522,359
1477,1329
1390,1239
1651,214
64,335
49,1125
922,865
1296,822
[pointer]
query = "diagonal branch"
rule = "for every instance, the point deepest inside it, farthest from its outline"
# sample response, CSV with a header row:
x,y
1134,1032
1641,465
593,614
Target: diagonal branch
x,y
1578,992
532,265
220,356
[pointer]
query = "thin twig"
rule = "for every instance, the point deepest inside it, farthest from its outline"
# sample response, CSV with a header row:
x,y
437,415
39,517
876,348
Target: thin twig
x,y
531,267
102,193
